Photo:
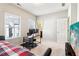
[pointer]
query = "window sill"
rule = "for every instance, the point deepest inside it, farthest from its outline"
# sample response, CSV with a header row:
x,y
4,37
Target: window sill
x,y
12,38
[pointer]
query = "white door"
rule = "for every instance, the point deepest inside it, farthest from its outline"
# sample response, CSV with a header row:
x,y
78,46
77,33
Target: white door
x,y
62,25
49,30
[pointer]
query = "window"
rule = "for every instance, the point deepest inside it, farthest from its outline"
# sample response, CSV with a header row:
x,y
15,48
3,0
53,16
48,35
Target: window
x,y
31,24
12,26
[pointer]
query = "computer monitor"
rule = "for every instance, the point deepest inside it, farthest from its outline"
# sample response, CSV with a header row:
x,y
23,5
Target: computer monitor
x,y
32,31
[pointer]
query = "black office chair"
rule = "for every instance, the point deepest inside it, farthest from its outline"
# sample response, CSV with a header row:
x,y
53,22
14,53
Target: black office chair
x,y
29,41
69,51
48,52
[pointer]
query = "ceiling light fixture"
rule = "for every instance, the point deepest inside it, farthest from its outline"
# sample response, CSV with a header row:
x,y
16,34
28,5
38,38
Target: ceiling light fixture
x,y
18,4
63,4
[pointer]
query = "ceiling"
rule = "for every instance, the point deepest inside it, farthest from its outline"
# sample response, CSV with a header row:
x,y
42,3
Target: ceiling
x,y
42,8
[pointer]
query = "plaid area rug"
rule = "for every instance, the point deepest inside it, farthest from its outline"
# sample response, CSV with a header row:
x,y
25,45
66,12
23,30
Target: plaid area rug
x,y
6,49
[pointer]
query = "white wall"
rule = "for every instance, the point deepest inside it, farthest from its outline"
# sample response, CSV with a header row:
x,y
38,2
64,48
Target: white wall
x,y
19,12
50,26
72,13
31,23
78,12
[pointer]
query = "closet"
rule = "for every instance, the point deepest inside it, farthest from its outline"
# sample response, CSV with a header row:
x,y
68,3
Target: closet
x,y
55,30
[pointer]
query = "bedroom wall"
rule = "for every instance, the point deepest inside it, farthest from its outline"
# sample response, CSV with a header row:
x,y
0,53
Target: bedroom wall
x,y
16,11
50,26
78,12
72,13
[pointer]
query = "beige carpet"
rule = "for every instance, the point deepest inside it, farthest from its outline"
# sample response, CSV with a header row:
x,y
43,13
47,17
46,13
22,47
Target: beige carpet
x,y
57,49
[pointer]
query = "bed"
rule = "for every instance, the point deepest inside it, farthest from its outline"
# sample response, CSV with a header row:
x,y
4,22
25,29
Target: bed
x,y
7,49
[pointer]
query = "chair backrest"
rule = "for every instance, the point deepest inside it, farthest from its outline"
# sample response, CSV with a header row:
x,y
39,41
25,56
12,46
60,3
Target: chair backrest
x,y
48,52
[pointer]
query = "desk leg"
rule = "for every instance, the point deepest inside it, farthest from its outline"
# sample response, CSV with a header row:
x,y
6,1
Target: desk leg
x,y
40,40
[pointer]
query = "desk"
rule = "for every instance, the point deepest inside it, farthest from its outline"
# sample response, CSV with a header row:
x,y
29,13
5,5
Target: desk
x,y
29,42
26,39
